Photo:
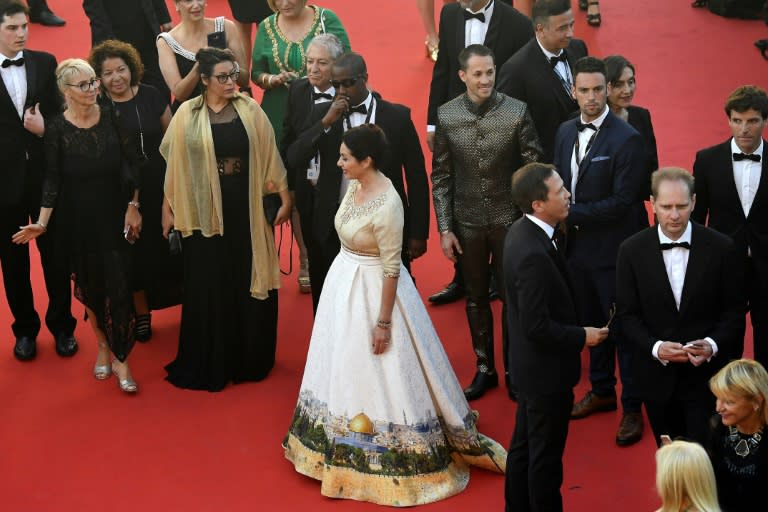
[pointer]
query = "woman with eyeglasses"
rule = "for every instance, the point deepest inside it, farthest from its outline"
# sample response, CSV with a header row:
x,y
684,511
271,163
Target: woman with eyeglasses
x,y
91,182
279,57
222,161
177,48
143,114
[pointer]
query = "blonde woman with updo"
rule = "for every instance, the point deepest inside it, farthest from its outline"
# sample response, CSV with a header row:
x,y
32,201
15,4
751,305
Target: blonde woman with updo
x,y
684,479
96,198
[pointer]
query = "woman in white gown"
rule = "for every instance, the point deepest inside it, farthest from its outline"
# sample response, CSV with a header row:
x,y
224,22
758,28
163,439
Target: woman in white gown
x,y
380,416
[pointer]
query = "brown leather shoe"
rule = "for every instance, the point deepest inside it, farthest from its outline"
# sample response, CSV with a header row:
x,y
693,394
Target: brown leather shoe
x,y
630,429
591,403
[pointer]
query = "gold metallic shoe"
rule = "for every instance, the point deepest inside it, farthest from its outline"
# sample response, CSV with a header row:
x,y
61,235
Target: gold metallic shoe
x,y
431,50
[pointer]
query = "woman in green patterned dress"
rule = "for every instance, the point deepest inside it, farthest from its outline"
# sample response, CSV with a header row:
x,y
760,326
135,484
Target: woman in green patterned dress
x,y
278,58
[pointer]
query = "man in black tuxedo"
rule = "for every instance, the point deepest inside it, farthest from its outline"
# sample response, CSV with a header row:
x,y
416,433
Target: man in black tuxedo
x,y
679,296
136,22
732,190
493,24
602,161
545,340
541,73
305,97
28,94
353,105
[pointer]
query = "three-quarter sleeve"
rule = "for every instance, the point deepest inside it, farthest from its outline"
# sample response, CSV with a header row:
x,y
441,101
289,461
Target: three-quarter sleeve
x,y
261,48
388,231
52,144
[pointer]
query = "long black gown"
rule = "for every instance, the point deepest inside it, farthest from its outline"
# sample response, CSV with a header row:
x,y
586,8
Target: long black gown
x,y
155,271
86,185
226,335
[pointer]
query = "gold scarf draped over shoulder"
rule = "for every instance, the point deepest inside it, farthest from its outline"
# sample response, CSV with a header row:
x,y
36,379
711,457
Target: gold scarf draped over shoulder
x,y
192,181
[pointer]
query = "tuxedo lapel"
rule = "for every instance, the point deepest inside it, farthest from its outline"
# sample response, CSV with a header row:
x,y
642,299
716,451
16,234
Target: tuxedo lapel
x,y
459,23
762,188
5,100
724,175
542,66
601,138
329,183
657,270
29,65
494,29
698,259
569,140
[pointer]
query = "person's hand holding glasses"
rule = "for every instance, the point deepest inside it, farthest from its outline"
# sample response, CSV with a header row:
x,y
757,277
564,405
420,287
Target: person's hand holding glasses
x,y
93,83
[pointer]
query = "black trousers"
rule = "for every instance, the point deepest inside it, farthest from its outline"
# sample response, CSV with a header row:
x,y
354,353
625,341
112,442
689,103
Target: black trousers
x,y
757,298
535,457
681,417
16,272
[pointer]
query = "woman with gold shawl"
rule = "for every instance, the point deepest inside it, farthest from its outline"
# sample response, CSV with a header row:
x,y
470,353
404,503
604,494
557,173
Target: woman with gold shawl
x,y
222,159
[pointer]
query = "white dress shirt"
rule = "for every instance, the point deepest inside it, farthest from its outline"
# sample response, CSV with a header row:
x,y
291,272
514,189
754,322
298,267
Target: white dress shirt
x,y
746,175
15,79
584,137
676,264
356,119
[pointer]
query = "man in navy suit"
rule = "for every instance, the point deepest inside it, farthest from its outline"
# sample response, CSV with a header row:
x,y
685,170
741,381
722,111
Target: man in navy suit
x,y
679,296
602,162
732,191
28,94
545,340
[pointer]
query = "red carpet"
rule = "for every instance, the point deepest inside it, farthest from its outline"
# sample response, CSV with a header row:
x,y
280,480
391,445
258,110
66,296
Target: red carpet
x,y
70,443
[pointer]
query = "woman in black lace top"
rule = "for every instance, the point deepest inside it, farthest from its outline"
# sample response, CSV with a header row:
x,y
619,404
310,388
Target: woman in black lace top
x,y
97,214
737,445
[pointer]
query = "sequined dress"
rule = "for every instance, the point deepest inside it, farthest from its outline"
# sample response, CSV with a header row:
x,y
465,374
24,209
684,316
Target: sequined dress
x,y
394,428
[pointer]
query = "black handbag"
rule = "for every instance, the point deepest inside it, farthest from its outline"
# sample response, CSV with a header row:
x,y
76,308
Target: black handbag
x,y
272,204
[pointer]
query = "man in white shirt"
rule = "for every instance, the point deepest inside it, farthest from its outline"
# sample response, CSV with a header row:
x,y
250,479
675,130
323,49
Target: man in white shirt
x,y
680,302
732,193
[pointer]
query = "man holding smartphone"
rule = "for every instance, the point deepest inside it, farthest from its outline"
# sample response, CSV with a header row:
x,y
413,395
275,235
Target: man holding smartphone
x,y
680,300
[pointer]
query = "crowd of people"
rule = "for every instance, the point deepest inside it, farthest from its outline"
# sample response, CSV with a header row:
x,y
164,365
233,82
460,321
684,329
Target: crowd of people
x,y
125,167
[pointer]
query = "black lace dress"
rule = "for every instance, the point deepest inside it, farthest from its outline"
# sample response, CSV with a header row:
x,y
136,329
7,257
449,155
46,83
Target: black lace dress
x,y
226,335
155,271
86,186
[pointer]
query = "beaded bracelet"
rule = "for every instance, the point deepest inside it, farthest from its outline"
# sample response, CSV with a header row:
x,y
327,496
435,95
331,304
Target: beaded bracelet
x,y
384,324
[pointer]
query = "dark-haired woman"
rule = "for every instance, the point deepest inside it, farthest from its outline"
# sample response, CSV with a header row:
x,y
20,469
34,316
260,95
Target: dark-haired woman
x,y
143,114
176,48
222,159
381,416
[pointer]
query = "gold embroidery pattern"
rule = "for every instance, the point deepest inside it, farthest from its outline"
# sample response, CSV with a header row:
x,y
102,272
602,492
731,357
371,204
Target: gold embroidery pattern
x,y
392,274
361,253
282,64
352,212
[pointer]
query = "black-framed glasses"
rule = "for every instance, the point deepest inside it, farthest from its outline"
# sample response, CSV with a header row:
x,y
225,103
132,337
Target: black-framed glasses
x,y
347,82
222,79
93,83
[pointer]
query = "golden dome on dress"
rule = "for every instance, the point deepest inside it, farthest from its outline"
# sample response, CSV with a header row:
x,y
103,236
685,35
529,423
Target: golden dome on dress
x,y
361,424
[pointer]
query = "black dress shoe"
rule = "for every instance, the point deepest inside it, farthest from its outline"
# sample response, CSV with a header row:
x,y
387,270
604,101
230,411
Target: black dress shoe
x,y
25,349
450,293
66,345
480,384
48,19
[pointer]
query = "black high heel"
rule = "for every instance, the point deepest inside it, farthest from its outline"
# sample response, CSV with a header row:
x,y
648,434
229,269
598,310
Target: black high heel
x,y
762,45
594,20
583,5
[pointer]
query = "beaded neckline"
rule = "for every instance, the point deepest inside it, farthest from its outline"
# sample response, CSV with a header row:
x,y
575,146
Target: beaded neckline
x,y
743,446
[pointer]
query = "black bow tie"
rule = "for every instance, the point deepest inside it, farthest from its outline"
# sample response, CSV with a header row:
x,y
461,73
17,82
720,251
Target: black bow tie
x,y
561,58
9,62
737,157
360,109
476,15
581,127
317,95
672,245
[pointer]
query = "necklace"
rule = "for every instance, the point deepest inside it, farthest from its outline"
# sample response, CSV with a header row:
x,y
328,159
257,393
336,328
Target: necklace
x,y
743,446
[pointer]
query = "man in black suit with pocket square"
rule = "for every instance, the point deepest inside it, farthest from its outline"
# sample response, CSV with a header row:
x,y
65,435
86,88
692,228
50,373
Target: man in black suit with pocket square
x,y
28,95
545,340
602,161
541,73
354,104
679,297
732,192
305,97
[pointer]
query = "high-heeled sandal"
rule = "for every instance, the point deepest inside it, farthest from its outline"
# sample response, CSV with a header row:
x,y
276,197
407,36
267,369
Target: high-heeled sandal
x,y
142,331
126,385
583,5
305,285
102,371
762,45
431,50
594,20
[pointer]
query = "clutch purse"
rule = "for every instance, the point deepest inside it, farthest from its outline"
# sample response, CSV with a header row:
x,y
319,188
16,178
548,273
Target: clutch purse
x,y
272,204
174,242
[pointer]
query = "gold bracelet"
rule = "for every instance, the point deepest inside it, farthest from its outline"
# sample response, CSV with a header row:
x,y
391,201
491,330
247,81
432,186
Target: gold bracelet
x,y
384,324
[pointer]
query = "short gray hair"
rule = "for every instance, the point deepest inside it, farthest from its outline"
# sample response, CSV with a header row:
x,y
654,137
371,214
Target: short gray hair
x,y
70,67
330,42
